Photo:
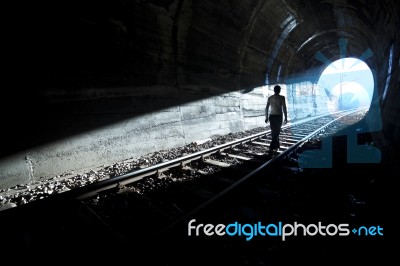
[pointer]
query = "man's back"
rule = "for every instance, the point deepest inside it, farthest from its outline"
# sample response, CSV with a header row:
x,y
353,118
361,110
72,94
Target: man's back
x,y
277,104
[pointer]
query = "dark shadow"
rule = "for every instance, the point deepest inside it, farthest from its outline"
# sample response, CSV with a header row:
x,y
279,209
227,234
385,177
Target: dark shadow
x,y
71,59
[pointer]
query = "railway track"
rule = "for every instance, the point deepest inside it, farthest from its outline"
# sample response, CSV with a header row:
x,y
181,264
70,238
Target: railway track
x,y
137,207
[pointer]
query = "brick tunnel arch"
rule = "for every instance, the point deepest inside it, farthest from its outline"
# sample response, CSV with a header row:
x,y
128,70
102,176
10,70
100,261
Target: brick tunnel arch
x,y
306,41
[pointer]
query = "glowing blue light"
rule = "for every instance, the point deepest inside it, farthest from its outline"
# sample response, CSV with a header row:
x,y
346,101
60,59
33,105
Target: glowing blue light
x,y
349,83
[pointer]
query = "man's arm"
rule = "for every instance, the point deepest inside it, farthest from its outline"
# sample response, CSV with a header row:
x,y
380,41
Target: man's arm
x,y
266,111
284,109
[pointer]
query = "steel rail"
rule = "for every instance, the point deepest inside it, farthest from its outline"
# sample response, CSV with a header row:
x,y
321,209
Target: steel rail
x,y
245,178
94,189
124,179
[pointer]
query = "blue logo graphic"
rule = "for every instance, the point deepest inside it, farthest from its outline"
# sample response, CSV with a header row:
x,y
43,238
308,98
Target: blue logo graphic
x,y
322,158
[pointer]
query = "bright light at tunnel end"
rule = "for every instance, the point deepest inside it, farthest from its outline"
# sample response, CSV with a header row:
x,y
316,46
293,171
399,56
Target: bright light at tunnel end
x,y
348,83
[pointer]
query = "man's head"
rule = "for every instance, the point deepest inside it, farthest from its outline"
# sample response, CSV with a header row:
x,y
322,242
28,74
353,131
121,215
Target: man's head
x,y
277,89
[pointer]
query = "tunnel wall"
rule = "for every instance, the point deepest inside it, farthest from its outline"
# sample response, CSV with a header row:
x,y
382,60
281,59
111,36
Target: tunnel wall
x,y
135,134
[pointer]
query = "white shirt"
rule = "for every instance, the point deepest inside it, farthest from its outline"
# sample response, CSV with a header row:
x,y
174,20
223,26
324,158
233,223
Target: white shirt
x,y
277,104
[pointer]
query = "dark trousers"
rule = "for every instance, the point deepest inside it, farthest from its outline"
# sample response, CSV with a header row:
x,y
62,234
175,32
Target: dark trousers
x,y
275,122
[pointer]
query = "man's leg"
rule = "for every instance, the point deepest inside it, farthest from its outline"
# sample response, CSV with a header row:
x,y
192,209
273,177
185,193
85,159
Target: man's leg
x,y
278,131
274,132
276,123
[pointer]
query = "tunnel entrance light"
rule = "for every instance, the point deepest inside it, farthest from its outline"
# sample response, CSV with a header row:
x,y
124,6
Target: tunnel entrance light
x,y
348,83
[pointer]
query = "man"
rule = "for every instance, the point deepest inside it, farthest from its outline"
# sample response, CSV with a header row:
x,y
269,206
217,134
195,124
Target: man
x,y
278,106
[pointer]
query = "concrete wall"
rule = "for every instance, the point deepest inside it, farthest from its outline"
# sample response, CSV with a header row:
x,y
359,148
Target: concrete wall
x,y
306,99
136,134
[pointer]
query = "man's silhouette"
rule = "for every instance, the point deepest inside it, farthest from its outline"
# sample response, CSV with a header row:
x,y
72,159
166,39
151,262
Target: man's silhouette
x,y
278,109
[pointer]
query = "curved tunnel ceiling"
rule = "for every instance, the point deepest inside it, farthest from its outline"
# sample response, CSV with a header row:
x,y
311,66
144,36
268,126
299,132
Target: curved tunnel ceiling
x,y
292,33
229,44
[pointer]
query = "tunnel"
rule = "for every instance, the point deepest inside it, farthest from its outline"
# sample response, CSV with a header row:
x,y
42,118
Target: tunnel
x,y
94,82
91,83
